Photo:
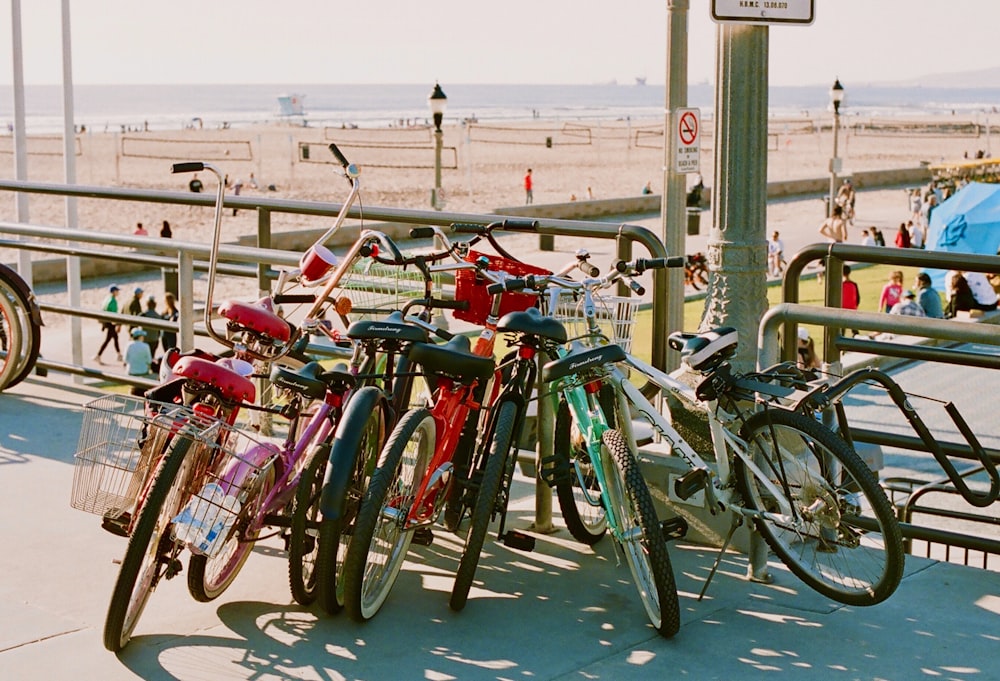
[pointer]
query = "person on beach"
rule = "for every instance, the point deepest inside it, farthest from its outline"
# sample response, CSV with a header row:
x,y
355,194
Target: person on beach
x,y
928,297
845,199
775,255
252,182
237,188
891,292
140,230
529,196
152,335
110,328
834,227
195,185
171,314
165,232
647,189
902,236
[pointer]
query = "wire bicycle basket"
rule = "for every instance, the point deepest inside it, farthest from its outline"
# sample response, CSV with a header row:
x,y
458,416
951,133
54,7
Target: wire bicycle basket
x,y
615,315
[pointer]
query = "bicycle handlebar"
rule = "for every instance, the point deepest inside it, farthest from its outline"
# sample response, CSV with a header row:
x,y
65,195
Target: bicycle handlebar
x,y
187,167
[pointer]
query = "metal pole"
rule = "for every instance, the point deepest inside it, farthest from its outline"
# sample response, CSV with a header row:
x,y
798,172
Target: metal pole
x,y
438,141
20,135
669,285
834,161
69,165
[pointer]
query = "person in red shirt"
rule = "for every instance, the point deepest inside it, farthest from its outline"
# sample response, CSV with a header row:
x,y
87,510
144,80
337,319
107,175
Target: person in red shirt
x,y
850,295
528,194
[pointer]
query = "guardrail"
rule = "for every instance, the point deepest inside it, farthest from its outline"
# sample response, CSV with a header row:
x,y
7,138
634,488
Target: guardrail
x,y
785,317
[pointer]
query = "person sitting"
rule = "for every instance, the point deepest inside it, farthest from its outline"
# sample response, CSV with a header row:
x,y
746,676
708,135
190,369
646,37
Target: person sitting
x,y
960,298
807,350
984,293
928,297
908,306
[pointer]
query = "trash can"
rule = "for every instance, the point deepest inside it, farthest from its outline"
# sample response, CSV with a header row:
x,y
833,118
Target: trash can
x,y
694,220
170,281
548,142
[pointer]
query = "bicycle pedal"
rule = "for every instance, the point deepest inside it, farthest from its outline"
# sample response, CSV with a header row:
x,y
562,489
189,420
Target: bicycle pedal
x,y
116,522
555,470
174,568
689,484
674,528
422,536
519,540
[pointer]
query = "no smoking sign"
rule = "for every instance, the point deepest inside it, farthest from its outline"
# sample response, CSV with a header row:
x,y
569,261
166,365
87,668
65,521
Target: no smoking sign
x,y
687,140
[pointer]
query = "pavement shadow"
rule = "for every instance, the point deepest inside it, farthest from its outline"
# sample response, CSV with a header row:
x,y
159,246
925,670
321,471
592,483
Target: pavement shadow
x,y
38,421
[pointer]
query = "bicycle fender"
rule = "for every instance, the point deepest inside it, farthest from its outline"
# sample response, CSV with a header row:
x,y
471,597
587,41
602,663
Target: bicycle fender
x,y
345,450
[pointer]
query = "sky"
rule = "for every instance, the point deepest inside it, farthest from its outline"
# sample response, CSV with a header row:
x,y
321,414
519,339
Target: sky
x,y
474,41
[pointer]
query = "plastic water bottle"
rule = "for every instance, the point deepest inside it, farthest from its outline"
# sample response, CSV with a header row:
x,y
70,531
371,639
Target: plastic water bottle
x,y
206,519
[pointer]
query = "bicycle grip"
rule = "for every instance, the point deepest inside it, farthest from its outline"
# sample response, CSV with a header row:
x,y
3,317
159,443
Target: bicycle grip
x,y
639,289
643,264
520,225
467,228
421,233
507,285
340,157
442,304
293,298
187,167
588,269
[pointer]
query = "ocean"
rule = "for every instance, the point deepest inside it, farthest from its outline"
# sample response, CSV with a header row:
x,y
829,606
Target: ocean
x,y
172,107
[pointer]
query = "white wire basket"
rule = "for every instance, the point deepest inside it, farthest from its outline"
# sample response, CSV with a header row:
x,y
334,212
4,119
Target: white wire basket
x,y
615,317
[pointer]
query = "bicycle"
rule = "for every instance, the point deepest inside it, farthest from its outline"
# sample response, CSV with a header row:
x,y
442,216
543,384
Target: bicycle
x,y
20,329
417,466
808,494
598,482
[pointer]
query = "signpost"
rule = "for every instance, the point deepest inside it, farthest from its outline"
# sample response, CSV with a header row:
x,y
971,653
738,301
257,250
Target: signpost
x,y
774,12
687,144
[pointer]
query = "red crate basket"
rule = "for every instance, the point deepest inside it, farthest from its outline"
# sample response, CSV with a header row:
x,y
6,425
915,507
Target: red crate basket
x,y
472,287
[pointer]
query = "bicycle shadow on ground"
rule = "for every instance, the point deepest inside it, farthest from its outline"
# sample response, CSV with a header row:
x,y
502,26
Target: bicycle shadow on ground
x,y
36,421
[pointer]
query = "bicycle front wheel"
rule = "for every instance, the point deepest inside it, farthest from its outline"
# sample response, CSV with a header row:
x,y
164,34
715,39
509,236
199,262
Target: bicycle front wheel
x,y
822,510
640,535
352,461
485,504
20,329
576,484
208,577
151,553
380,542
303,539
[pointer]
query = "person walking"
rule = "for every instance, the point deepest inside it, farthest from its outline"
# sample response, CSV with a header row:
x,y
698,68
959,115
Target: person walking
x,y
529,195
775,255
169,338
152,335
165,232
928,297
834,227
110,328
135,305
891,292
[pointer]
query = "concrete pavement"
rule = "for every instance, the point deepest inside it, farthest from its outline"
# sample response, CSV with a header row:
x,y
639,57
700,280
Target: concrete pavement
x,y
564,611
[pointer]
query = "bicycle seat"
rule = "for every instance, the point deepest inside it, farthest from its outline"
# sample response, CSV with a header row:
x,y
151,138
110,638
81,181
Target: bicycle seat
x,y
229,384
305,381
258,317
392,327
532,322
579,361
703,351
453,359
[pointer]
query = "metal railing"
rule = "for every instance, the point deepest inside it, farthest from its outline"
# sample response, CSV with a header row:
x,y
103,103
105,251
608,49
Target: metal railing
x,y
785,317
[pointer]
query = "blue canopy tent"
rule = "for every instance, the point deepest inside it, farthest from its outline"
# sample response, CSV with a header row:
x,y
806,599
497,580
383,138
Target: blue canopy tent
x,y
968,222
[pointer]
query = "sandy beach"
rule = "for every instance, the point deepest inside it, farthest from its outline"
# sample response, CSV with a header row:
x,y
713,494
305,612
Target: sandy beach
x,y
483,165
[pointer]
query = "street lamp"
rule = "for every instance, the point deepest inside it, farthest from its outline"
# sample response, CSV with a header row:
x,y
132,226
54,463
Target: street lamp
x,y
836,97
437,101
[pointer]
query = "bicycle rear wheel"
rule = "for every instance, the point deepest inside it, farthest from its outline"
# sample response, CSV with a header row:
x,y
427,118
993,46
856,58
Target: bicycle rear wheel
x,y
576,485
303,540
208,577
639,534
485,504
832,524
151,553
20,329
379,545
352,461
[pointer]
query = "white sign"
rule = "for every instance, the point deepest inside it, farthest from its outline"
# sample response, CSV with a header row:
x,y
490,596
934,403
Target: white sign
x,y
687,140
764,11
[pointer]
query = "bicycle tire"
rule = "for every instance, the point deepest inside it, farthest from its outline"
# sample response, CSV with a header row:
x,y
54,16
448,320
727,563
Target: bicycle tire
x,y
379,544
359,440
23,312
646,551
485,504
586,522
303,536
831,553
149,541
208,578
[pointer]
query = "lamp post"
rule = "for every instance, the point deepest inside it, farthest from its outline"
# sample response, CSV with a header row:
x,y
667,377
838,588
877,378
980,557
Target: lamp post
x,y
836,97
437,101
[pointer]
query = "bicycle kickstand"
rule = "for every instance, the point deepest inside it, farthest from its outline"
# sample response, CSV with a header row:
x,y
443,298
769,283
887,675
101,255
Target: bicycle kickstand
x,y
737,522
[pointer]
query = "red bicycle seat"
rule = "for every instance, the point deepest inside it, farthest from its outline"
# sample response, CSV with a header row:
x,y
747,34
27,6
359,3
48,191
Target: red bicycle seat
x,y
231,385
258,317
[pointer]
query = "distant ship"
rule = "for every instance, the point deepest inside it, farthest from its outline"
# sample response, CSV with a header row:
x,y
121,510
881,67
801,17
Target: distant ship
x,y
640,80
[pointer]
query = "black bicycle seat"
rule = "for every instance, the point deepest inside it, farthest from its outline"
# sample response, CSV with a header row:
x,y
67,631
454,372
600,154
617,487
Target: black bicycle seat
x,y
531,321
579,361
702,351
392,327
453,359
